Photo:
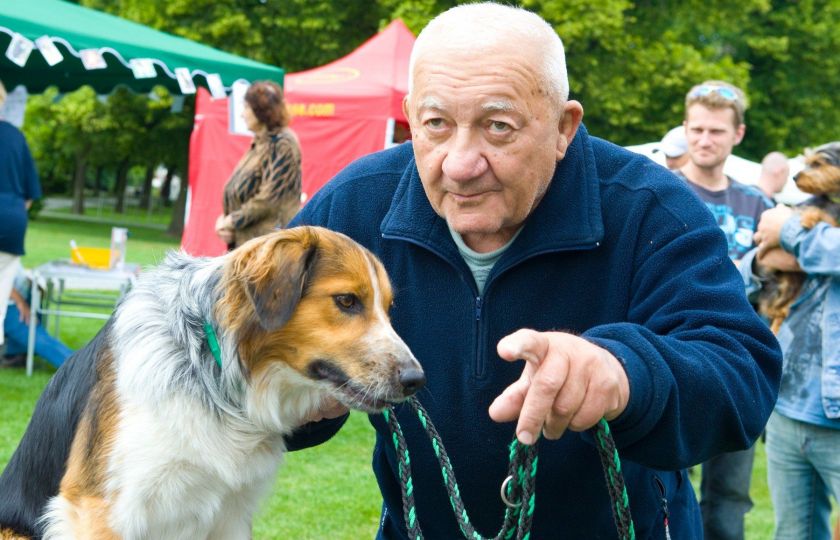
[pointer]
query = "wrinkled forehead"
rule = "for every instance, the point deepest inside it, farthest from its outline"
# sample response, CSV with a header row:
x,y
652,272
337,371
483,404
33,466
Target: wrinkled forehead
x,y
484,82
488,57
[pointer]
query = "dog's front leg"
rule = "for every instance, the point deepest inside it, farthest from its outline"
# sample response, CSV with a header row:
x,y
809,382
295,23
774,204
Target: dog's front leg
x,y
234,519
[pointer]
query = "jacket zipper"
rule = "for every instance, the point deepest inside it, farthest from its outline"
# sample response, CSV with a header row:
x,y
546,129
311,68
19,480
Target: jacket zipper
x,y
478,365
664,505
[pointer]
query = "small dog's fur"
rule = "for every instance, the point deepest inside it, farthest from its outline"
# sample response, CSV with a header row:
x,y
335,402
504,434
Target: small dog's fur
x,y
821,178
151,439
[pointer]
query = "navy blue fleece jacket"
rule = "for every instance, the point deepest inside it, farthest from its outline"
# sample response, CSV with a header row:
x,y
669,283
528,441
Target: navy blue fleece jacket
x,y
618,251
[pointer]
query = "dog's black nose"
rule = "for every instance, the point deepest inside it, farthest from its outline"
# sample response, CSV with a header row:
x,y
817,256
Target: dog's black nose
x,y
412,380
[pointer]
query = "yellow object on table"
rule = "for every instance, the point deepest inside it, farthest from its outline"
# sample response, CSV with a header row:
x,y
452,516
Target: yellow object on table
x,y
93,257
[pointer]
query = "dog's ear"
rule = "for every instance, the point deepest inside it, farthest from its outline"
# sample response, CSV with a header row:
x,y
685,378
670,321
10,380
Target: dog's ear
x,y
273,273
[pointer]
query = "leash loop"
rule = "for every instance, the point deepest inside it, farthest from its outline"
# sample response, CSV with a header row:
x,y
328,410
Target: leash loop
x,y
518,485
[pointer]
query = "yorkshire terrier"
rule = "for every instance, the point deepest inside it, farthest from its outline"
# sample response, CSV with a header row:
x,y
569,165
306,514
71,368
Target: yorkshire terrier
x,y
821,178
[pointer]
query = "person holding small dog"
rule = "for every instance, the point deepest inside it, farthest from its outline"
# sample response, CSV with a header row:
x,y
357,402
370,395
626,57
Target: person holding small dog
x,y
545,279
264,189
803,433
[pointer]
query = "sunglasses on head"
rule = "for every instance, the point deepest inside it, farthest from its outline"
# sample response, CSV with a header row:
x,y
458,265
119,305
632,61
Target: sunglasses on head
x,y
723,91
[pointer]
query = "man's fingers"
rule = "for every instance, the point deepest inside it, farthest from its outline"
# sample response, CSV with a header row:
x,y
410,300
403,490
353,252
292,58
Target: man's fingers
x,y
506,407
330,408
565,407
528,345
546,383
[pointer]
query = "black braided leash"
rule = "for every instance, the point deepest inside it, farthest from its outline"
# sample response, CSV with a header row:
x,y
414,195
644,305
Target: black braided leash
x,y
517,492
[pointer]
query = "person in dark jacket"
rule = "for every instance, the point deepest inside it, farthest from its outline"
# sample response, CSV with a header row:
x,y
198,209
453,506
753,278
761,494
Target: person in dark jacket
x,y
19,186
545,279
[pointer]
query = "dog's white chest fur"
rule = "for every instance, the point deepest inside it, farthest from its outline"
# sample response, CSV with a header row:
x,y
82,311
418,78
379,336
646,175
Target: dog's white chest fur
x,y
194,480
176,472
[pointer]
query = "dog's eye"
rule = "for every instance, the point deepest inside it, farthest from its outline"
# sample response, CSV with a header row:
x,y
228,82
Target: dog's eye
x,y
348,302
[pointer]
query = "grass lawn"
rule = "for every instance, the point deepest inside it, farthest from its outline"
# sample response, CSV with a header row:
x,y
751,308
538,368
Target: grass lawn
x,y
102,209
323,492
48,238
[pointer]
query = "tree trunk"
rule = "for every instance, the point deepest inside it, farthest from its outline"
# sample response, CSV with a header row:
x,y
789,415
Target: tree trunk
x,y
97,188
120,185
79,185
146,195
176,223
166,188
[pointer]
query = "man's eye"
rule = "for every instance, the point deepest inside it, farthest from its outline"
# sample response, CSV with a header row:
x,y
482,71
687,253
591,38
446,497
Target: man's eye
x,y
498,126
348,302
434,123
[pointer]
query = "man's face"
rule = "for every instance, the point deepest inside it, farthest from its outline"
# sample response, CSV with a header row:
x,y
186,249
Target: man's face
x,y
487,138
711,135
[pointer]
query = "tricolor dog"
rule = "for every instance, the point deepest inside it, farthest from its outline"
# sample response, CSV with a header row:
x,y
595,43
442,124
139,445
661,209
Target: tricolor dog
x,y
170,424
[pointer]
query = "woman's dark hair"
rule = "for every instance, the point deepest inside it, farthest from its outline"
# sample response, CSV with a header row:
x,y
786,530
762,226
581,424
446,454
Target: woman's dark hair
x,y
266,101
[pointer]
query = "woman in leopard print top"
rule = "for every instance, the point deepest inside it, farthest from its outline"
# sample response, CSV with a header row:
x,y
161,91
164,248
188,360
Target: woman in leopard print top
x,y
264,189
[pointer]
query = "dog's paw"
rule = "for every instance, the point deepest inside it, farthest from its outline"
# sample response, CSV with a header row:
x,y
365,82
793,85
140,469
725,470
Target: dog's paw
x,y
811,216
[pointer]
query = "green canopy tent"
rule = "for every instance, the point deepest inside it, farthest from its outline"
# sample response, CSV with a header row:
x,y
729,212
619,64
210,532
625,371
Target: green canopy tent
x,y
127,53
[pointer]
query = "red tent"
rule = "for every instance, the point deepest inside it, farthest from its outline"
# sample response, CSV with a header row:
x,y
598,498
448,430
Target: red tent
x,y
341,111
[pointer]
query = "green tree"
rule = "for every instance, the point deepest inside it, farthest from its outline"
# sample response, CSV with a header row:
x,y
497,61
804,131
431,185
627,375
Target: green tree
x,y
630,63
795,76
39,127
292,34
64,131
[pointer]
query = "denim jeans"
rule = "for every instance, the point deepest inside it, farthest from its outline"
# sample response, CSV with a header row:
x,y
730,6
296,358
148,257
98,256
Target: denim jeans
x,y
803,470
725,494
17,337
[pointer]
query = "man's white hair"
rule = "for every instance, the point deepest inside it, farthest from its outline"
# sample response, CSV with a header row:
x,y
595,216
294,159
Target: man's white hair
x,y
480,26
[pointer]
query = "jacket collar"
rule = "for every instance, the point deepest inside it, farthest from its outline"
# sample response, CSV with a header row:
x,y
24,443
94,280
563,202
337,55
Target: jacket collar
x,y
569,216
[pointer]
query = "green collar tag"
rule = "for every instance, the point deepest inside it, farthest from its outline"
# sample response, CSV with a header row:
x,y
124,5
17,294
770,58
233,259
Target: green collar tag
x,y
213,343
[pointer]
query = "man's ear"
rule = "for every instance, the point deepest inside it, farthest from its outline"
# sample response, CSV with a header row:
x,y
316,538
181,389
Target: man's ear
x,y
739,133
405,108
568,126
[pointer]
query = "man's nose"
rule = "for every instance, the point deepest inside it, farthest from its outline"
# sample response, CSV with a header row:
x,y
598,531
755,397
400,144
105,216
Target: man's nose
x,y
464,159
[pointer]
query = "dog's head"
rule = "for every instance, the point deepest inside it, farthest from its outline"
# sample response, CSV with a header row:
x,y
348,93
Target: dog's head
x,y
317,301
821,175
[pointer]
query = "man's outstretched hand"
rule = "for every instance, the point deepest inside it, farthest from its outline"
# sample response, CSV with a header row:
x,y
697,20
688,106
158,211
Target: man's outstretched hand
x,y
567,383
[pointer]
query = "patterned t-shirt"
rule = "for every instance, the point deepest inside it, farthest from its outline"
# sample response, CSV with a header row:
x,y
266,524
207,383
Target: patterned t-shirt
x,y
737,210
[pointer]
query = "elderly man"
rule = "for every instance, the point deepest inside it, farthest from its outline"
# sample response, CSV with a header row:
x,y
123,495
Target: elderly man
x,y
511,234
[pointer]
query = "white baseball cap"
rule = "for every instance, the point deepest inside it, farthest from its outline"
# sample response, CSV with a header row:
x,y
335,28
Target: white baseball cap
x,y
673,144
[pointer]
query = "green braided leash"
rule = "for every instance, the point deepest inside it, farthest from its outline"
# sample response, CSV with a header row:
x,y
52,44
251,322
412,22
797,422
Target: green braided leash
x,y
518,488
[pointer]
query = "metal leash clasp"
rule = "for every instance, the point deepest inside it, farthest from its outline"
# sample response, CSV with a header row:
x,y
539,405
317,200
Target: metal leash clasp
x,y
504,495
